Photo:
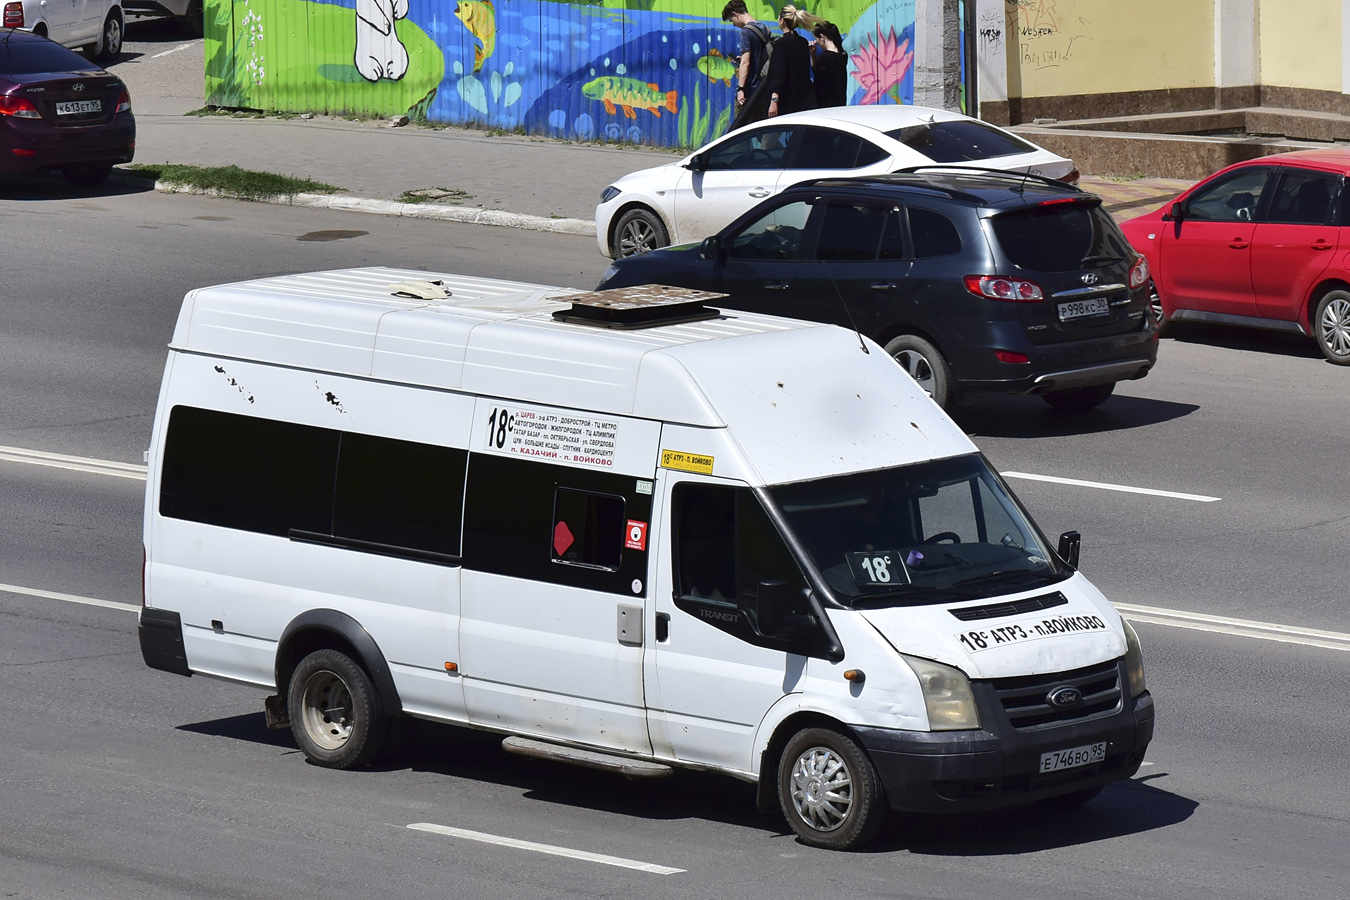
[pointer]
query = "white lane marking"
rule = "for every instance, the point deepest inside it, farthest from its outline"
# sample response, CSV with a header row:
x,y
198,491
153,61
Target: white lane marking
x,y
176,49
1248,628
545,848
68,598
74,463
1104,486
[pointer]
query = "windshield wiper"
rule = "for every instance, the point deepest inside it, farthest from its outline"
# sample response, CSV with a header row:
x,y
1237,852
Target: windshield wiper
x,y
999,576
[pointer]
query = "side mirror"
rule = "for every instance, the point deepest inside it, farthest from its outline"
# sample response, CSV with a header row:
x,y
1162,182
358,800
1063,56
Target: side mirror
x,y
1177,212
1069,544
773,599
712,248
695,163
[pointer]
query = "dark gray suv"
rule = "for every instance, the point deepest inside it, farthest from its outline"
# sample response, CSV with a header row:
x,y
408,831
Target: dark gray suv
x,y
975,281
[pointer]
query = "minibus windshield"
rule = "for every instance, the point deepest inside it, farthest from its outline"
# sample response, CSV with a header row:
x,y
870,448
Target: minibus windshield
x,y
923,533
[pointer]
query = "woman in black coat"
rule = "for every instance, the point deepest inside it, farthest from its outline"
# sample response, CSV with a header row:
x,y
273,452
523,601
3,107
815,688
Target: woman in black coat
x,y
789,81
831,66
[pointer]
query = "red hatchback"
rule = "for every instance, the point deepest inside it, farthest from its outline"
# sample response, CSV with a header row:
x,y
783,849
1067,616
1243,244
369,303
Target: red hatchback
x,y
1258,244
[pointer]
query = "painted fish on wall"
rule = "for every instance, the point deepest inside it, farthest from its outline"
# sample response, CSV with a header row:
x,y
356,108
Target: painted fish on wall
x,y
480,18
629,94
717,67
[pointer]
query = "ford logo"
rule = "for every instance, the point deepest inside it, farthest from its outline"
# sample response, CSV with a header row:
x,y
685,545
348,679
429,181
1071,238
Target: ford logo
x,y
1063,697
77,86
1090,278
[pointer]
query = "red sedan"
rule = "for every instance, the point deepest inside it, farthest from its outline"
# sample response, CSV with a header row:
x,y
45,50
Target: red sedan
x,y
1258,244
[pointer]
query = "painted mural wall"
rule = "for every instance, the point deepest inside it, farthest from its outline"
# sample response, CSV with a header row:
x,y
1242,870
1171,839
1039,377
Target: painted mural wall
x,y
659,72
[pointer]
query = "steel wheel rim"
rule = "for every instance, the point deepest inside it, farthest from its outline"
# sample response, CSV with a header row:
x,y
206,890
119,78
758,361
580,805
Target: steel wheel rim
x,y
822,789
919,368
637,237
1334,326
327,710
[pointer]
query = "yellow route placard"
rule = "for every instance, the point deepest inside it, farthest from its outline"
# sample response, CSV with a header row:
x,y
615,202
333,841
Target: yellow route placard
x,y
686,462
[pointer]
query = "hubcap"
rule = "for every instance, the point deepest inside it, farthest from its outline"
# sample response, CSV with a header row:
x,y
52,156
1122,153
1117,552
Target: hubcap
x,y
822,789
637,237
327,710
918,368
1335,326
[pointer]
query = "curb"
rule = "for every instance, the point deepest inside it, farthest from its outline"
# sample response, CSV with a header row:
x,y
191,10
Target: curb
x,y
494,217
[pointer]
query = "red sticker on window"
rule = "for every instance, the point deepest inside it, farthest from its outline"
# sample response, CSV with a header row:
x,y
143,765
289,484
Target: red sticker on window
x,y
637,535
562,538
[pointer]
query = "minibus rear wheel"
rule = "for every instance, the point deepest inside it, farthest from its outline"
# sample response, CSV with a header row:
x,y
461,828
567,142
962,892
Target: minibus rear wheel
x,y
336,715
829,790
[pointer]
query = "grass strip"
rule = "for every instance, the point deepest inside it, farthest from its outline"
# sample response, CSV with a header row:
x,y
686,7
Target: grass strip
x,y
230,181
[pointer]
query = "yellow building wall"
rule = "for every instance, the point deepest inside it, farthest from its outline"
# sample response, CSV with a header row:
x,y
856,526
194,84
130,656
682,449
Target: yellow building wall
x,y
1301,43
1067,47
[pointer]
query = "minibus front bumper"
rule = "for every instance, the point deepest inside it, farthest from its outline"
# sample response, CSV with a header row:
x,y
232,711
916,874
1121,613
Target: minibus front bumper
x,y
989,768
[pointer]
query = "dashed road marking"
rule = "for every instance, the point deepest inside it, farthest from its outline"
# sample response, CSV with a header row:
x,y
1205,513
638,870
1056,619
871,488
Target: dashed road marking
x,y
550,849
1248,628
68,598
1106,486
73,463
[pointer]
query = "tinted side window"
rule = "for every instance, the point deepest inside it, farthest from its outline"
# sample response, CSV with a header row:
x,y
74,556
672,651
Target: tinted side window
x,y
763,148
1232,200
775,235
1303,197
588,529
399,493
851,231
933,234
826,148
248,473
963,140
510,526
725,545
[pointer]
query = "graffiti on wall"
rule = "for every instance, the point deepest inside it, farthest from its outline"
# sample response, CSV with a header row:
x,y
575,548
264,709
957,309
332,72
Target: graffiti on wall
x,y
659,72
1049,33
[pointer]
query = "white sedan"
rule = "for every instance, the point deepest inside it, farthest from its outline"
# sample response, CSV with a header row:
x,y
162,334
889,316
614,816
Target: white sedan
x,y
695,197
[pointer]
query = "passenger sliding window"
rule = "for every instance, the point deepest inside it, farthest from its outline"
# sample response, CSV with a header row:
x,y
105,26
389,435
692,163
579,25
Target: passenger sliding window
x,y
588,529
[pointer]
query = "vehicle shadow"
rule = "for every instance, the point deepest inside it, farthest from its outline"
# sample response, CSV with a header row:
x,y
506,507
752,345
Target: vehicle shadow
x,y
1250,340
1031,417
152,29
1128,807
41,186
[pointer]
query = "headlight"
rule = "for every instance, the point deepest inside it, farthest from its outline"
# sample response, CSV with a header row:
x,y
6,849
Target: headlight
x,y
1134,661
947,693
609,273
609,194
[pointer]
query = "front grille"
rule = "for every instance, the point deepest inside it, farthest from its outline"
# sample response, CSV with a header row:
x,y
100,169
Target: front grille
x,y
1024,697
998,610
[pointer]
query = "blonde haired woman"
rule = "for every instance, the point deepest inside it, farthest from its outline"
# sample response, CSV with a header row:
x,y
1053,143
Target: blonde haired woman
x,y
789,80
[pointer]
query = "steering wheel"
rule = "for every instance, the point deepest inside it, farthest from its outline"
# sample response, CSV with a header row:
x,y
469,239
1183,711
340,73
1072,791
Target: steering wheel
x,y
943,536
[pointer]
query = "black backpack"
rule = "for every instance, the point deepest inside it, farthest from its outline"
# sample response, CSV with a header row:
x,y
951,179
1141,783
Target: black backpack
x,y
769,39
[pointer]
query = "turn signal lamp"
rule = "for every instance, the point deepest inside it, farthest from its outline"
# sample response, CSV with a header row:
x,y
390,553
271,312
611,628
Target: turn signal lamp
x,y
1139,272
947,694
123,103
14,15
857,676
452,667
1134,661
996,288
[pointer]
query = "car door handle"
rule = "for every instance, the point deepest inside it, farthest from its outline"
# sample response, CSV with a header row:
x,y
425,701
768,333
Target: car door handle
x,y
759,192
883,285
1321,245
1238,244
775,286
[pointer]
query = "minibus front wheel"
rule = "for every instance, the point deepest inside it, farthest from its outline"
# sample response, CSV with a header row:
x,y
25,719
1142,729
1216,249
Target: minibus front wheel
x,y
829,790
335,711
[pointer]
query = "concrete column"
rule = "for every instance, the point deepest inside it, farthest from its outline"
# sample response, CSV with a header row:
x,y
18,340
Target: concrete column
x,y
1345,46
1237,53
991,51
937,54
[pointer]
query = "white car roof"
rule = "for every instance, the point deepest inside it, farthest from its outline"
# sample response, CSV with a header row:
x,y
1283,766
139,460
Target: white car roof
x,y
801,399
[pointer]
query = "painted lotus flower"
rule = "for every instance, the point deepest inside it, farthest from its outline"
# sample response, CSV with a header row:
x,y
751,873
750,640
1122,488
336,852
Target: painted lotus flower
x,y
880,67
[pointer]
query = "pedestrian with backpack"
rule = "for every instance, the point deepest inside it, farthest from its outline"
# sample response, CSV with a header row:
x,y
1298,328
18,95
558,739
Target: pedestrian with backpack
x,y
754,51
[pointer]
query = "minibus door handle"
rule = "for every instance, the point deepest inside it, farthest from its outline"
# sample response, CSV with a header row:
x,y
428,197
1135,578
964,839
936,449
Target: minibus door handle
x,y
662,627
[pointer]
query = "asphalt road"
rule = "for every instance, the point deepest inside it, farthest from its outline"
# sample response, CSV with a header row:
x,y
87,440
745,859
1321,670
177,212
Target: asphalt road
x,y
123,782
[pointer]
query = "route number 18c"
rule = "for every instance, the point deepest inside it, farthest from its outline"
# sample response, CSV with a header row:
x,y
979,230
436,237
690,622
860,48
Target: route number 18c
x,y
499,423
878,567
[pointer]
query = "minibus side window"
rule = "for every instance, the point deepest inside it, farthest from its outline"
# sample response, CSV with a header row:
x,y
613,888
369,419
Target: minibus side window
x,y
247,473
725,545
399,493
588,529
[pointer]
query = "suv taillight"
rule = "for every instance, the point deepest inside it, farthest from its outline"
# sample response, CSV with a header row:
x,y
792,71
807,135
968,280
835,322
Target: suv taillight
x,y
1139,272
18,107
123,103
13,15
996,288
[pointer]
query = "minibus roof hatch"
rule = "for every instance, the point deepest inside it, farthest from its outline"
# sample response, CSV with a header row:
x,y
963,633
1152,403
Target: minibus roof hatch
x,y
640,306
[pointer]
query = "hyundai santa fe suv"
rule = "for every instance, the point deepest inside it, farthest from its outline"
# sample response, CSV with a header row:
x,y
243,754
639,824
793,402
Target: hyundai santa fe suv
x,y
975,281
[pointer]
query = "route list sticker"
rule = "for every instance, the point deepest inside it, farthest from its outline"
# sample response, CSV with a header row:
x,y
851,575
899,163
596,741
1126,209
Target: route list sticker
x,y
686,462
561,436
